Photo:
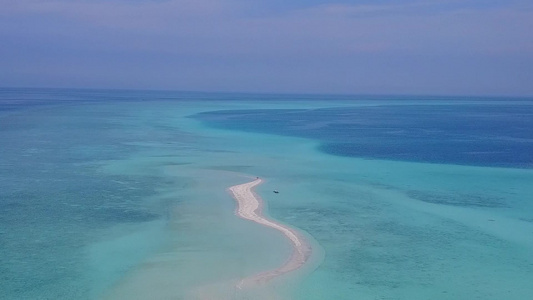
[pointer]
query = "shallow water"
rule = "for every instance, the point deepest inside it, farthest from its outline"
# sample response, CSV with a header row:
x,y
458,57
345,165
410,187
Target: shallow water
x,y
116,194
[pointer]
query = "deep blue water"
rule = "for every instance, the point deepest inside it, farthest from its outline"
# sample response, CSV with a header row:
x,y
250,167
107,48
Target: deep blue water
x,y
482,134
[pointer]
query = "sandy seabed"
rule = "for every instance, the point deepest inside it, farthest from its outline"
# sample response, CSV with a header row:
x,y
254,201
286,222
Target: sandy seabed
x,y
157,278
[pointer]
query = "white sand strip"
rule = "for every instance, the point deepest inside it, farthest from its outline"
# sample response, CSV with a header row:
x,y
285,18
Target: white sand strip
x,y
250,208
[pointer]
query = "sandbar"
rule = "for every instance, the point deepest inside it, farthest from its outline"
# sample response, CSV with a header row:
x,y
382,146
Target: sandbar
x,y
249,207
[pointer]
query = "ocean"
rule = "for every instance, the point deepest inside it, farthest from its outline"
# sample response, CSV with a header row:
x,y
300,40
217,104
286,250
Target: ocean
x,y
123,195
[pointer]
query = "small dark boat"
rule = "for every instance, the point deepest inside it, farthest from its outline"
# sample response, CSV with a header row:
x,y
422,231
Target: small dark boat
x,y
276,191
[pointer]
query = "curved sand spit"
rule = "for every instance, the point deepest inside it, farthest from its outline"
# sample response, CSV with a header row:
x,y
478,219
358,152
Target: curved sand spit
x,y
250,208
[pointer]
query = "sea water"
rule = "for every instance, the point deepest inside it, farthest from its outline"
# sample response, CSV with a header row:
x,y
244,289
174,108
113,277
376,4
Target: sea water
x,y
122,194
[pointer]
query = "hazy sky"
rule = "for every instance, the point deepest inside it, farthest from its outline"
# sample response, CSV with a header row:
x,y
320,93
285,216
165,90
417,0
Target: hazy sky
x,y
317,46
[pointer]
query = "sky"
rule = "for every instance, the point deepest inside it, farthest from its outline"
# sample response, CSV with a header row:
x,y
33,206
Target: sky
x,y
464,47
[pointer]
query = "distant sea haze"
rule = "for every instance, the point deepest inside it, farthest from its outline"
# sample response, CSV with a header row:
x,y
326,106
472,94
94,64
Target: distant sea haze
x,y
124,195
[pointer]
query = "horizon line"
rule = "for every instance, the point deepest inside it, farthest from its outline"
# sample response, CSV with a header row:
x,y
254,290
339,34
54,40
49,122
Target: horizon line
x,y
274,93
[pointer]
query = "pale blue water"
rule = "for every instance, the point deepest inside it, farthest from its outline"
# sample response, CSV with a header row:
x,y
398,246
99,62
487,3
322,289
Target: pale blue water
x,y
407,197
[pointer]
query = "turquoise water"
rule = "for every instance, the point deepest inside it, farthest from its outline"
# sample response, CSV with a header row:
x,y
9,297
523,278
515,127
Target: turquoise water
x,y
121,194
